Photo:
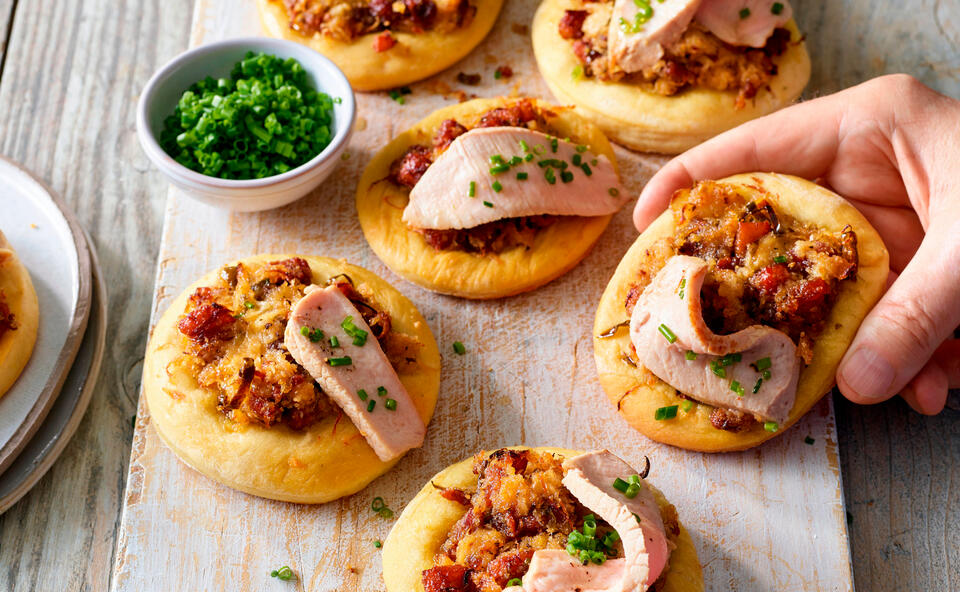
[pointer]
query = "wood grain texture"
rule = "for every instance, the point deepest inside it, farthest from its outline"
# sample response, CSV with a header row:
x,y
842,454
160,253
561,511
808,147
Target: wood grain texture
x,y
70,118
773,516
68,93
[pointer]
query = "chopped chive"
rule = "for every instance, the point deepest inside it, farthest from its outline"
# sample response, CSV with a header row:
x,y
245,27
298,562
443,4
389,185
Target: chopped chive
x,y
371,405
577,72
594,162
718,369
554,144
766,375
620,485
771,426
808,441
529,157
690,355
777,8
550,176
586,169
344,361
669,335
576,160
663,413
524,146
735,387
284,573
248,305
514,582
613,191
472,191
377,544
334,342
500,168
744,13
497,75
314,335
634,479
496,159
581,148
566,176
522,176
686,405
514,161
362,394
390,404
632,491
780,259
458,348
305,331
381,391
496,187
358,334
756,387
762,364
488,204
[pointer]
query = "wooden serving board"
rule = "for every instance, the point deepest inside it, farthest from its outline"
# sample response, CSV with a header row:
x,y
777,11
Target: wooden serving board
x,y
771,518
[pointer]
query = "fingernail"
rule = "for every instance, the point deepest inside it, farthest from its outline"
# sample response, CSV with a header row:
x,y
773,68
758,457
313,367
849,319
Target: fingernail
x,y
868,373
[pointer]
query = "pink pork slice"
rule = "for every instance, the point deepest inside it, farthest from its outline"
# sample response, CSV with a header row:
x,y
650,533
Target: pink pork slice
x,y
441,199
589,478
389,433
638,51
723,19
671,304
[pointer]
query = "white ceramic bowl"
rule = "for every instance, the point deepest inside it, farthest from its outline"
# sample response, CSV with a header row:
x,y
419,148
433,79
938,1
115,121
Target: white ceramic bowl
x,y
164,89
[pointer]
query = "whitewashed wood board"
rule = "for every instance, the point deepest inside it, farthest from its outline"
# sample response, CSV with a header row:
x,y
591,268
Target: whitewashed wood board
x,y
767,519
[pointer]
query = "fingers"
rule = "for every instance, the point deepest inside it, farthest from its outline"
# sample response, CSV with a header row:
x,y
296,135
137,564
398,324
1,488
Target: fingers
x,y
783,142
901,334
927,392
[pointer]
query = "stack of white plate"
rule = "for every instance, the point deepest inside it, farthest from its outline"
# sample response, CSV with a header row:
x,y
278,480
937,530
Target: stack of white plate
x,y
43,408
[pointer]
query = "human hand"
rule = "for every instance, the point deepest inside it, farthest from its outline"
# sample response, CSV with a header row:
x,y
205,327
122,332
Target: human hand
x,y
891,146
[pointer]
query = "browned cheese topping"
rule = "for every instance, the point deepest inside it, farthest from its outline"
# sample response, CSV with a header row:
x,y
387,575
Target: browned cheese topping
x,y
345,20
493,237
519,506
764,268
697,59
232,340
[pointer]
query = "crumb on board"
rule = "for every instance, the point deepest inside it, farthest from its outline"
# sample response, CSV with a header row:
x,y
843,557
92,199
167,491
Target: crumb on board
x,y
520,29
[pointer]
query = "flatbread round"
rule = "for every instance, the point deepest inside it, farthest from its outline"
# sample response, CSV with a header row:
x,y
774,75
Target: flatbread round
x,y
325,461
557,248
415,56
423,526
638,394
647,121
16,290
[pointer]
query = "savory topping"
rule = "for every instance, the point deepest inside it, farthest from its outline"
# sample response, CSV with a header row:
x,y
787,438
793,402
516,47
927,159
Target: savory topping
x,y
7,320
560,180
535,523
380,507
363,368
665,46
750,25
237,351
717,375
345,20
459,348
264,120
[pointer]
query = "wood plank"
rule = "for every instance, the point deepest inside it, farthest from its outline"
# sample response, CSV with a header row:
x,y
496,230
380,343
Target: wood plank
x,y
773,517
69,89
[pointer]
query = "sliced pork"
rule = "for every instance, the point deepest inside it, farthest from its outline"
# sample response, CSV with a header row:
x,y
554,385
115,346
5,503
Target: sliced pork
x,y
355,373
636,43
590,477
744,22
754,370
511,173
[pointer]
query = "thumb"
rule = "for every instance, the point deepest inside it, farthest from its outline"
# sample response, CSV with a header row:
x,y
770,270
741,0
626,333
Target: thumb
x,y
918,313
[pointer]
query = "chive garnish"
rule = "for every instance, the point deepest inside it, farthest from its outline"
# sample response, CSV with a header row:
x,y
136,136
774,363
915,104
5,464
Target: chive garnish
x,y
344,361
762,364
771,426
577,72
380,507
284,573
524,146
690,355
496,186
686,405
362,394
766,375
581,148
381,391
668,412
334,342
613,191
550,176
522,176
458,348
566,176
756,387
576,160
377,544
358,334
669,335
514,582
488,204
586,169
528,157
314,335
248,305
718,369
620,485
808,441
744,13
735,387
682,287
554,144
777,8
780,259
496,159
472,191
371,405
390,404
514,161
500,168
304,331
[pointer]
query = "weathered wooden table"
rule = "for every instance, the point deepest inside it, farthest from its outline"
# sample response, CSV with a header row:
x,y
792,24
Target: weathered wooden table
x,y
70,74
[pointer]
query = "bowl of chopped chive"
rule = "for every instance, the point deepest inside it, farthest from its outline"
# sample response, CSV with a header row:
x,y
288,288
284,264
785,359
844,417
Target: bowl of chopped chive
x,y
246,124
